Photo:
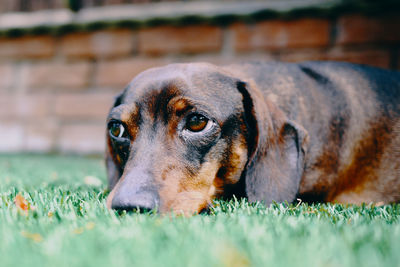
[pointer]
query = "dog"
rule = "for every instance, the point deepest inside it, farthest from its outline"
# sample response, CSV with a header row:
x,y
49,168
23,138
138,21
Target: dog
x,y
182,135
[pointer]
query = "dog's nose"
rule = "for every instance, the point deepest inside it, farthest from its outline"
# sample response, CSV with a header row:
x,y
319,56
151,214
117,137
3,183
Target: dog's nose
x,y
143,202
136,191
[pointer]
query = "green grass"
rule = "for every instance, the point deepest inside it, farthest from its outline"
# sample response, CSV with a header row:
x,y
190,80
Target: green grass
x,y
70,226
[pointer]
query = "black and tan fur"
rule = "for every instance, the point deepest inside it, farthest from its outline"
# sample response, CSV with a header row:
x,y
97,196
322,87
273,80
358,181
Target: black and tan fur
x,y
318,131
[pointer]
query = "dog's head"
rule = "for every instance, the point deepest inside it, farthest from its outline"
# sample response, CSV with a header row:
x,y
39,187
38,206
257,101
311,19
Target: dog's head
x,y
181,135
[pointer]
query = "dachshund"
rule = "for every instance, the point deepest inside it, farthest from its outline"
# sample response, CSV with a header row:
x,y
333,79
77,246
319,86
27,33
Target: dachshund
x,y
182,135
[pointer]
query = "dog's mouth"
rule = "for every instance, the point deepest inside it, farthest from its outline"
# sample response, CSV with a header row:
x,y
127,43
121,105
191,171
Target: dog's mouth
x,y
145,211
206,210
136,210
164,201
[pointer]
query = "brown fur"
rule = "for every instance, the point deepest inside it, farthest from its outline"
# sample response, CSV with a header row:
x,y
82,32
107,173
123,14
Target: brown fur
x,y
363,169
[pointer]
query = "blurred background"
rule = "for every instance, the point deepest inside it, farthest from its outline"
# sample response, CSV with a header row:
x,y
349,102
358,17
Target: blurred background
x,y
62,62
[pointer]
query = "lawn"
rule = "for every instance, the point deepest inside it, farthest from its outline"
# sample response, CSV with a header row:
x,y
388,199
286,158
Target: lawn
x,y
67,224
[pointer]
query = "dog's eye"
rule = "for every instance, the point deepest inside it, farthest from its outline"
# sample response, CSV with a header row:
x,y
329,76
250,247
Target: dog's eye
x,y
196,123
117,129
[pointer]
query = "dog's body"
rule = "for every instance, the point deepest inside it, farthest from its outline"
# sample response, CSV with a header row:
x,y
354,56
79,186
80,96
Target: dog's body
x,y
270,132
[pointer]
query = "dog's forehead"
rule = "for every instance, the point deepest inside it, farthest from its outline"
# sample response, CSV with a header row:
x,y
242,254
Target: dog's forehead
x,y
202,84
193,80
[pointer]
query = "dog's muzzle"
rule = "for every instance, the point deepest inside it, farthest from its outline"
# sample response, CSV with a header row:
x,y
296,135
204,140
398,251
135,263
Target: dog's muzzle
x,y
136,192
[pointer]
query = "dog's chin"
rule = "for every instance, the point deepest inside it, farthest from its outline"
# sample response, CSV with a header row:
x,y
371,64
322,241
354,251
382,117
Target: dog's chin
x,y
186,213
178,207
187,204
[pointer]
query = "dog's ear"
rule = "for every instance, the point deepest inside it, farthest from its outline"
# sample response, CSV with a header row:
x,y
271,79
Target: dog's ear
x,y
276,149
113,171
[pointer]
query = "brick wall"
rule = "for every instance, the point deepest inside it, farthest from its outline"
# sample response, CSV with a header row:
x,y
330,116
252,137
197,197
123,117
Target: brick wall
x,y
55,91
34,5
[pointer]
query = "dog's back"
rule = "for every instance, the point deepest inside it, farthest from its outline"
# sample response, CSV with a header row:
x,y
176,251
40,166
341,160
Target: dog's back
x,y
351,114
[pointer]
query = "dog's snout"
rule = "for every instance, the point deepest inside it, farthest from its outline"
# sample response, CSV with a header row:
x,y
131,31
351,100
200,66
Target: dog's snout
x,y
143,201
136,191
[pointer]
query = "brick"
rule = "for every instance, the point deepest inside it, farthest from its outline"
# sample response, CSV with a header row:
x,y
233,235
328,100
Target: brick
x,y
377,58
6,76
11,136
82,138
27,47
55,75
34,106
189,39
84,106
8,106
40,135
357,29
276,34
24,106
109,43
118,73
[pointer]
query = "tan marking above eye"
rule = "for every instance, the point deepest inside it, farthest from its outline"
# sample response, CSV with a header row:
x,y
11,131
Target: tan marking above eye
x,y
180,105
